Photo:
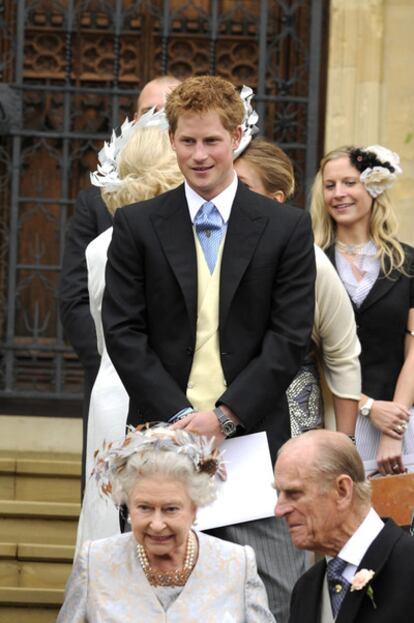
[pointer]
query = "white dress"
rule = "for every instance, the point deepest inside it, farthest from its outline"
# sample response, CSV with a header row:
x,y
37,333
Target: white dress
x,y
108,407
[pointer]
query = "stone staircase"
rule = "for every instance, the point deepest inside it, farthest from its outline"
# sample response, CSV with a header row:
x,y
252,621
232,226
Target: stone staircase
x,y
39,509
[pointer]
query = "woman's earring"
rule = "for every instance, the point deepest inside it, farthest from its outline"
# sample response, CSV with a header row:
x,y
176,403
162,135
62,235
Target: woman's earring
x,y
129,518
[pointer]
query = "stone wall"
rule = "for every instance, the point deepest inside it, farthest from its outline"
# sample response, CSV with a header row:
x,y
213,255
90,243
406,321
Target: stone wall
x,y
370,97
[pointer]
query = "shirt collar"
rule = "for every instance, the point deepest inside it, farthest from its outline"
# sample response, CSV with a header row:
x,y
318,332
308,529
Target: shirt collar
x,y
354,549
222,201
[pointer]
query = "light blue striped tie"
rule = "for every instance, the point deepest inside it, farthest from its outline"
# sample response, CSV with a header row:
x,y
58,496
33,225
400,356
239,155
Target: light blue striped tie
x,y
210,227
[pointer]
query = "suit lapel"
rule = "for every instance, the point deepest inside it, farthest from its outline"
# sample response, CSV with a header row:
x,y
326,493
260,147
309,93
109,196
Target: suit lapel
x,y
375,558
243,232
310,599
173,227
381,286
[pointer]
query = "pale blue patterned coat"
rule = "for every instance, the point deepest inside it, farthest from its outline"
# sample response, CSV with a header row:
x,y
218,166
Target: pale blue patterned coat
x,y
107,585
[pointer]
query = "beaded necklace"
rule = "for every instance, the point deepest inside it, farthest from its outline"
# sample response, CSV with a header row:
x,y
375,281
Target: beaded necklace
x,y
175,577
349,249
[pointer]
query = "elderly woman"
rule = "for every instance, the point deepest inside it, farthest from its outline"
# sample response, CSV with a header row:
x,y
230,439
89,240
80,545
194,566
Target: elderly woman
x,y
355,222
163,571
268,170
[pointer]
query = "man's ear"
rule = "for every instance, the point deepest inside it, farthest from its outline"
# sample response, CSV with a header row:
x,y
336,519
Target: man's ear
x,y
171,135
279,196
236,137
344,489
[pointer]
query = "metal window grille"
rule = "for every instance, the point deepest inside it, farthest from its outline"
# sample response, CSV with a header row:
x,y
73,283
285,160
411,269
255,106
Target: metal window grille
x,y
70,71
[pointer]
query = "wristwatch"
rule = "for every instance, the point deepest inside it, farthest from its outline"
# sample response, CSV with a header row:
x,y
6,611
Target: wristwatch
x,y
227,426
365,410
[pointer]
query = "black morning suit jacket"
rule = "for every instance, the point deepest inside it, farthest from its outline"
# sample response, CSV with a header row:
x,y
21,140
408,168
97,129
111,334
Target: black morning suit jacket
x,y
265,312
90,218
381,326
391,557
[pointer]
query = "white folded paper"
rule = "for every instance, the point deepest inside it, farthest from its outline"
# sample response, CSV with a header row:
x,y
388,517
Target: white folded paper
x,y
247,494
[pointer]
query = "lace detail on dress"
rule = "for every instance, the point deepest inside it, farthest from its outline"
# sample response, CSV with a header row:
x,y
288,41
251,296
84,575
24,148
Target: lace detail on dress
x,y
368,265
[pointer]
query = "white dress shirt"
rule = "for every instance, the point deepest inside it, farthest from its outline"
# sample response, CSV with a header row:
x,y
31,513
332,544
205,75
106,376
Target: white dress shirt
x,y
223,201
355,548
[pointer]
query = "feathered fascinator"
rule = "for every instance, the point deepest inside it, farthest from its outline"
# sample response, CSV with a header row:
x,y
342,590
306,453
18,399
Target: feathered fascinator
x,y
379,168
107,174
113,458
250,120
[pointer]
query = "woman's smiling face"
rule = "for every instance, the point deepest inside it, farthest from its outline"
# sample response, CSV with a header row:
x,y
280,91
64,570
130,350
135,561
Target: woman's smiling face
x,y
162,514
346,198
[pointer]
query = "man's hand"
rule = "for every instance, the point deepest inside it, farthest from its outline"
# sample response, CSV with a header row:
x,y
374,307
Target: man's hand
x,y
203,423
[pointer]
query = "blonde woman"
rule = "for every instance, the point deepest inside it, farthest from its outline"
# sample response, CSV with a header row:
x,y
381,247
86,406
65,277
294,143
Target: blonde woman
x,y
268,170
355,222
137,165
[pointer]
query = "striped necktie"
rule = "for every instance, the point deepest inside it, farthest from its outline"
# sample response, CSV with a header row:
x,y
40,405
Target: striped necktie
x,y
209,227
337,584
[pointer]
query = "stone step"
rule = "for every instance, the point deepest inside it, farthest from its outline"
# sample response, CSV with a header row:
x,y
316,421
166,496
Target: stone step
x,y
50,523
35,565
29,605
49,480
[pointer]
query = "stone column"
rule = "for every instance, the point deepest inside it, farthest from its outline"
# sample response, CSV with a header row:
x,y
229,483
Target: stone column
x,y
370,93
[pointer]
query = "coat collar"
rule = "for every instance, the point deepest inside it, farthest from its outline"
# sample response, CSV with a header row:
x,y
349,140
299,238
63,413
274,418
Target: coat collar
x,y
380,288
172,224
375,558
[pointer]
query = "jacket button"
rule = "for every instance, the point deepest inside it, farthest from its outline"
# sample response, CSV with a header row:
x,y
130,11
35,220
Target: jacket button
x,y
189,350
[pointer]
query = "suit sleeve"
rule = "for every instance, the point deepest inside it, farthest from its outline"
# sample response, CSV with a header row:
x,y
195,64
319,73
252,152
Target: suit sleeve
x,y
262,384
75,315
126,328
74,605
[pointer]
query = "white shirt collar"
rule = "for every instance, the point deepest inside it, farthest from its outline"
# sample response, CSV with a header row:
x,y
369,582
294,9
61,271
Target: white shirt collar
x,y
222,201
355,548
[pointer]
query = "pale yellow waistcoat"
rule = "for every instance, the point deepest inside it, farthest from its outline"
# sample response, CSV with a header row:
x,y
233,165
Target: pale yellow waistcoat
x,y
206,381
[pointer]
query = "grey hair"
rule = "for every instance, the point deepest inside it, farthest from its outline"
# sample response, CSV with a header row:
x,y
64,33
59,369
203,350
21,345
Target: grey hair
x,y
335,454
200,487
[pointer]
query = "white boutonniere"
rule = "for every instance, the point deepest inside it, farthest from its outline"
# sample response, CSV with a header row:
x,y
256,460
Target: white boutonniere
x,y
361,580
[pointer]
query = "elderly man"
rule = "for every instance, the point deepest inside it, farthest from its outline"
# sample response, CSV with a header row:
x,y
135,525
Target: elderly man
x,y
90,219
368,570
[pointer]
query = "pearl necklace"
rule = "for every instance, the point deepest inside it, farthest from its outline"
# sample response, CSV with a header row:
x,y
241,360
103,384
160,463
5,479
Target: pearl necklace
x,y
350,249
176,577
